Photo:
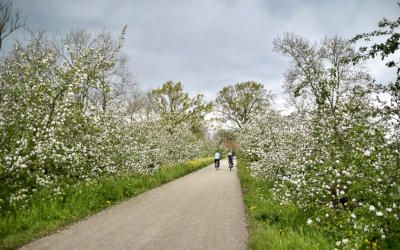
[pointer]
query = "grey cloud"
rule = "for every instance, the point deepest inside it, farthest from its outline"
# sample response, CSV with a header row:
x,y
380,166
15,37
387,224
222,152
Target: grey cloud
x,y
211,43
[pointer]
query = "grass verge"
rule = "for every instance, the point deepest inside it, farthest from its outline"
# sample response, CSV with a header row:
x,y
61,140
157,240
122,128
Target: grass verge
x,y
46,216
272,226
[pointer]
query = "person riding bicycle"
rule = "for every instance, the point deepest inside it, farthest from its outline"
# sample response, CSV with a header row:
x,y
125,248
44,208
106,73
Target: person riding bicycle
x,y
217,158
230,159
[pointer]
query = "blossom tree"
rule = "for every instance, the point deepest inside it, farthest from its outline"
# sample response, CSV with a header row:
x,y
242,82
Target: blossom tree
x,y
63,119
334,157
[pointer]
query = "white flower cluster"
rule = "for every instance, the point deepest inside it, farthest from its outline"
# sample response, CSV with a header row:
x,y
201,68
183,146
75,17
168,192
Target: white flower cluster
x,y
57,127
342,171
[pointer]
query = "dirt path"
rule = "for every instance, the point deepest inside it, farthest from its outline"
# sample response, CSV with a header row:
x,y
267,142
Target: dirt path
x,y
203,210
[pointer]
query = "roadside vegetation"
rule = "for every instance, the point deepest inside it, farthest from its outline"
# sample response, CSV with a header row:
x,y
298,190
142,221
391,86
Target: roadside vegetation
x,y
271,225
334,162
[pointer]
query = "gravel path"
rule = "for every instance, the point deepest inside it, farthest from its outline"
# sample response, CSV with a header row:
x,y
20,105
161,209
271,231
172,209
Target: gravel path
x,y
203,210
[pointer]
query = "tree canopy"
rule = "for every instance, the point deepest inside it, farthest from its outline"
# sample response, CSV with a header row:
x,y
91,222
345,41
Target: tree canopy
x,y
243,102
174,106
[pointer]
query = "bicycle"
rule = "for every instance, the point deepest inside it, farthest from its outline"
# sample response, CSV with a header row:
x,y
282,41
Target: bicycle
x,y
216,164
230,165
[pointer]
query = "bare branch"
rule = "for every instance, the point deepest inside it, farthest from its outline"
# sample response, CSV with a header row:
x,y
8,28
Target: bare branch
x,y
9,22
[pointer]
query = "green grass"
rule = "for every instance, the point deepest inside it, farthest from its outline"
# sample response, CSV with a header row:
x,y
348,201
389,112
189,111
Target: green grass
x,y
272,226
45,216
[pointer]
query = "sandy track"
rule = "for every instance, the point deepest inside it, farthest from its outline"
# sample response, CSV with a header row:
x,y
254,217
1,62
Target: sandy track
x,y
203,210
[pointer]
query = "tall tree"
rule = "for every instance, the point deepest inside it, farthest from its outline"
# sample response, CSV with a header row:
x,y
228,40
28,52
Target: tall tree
x,y
320,74
139,105
242,102
9,21
227,138
104,78
175,107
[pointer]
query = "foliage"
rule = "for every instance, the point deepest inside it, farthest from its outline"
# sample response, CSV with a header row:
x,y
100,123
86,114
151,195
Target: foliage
x,y
175,107
47,213
273,226
243,102
227,139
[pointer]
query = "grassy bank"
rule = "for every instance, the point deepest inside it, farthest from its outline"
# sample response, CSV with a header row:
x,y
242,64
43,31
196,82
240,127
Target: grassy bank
x,y
45,215
273,226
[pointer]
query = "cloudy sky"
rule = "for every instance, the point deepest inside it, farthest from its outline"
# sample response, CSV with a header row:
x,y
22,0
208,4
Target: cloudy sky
x,y
207,44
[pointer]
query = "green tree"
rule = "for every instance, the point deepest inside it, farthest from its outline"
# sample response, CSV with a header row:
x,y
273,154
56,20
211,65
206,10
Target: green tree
x,y
175,107
226,138
243,102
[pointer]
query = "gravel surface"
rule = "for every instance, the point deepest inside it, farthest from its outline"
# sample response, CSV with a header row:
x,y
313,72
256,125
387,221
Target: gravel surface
x,y
202,210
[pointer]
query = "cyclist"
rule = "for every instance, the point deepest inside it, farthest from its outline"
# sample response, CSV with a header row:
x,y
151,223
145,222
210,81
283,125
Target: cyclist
x,y
230,160
217,157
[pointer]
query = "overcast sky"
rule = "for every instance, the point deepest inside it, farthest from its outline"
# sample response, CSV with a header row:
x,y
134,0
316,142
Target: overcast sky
x,y
207,44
